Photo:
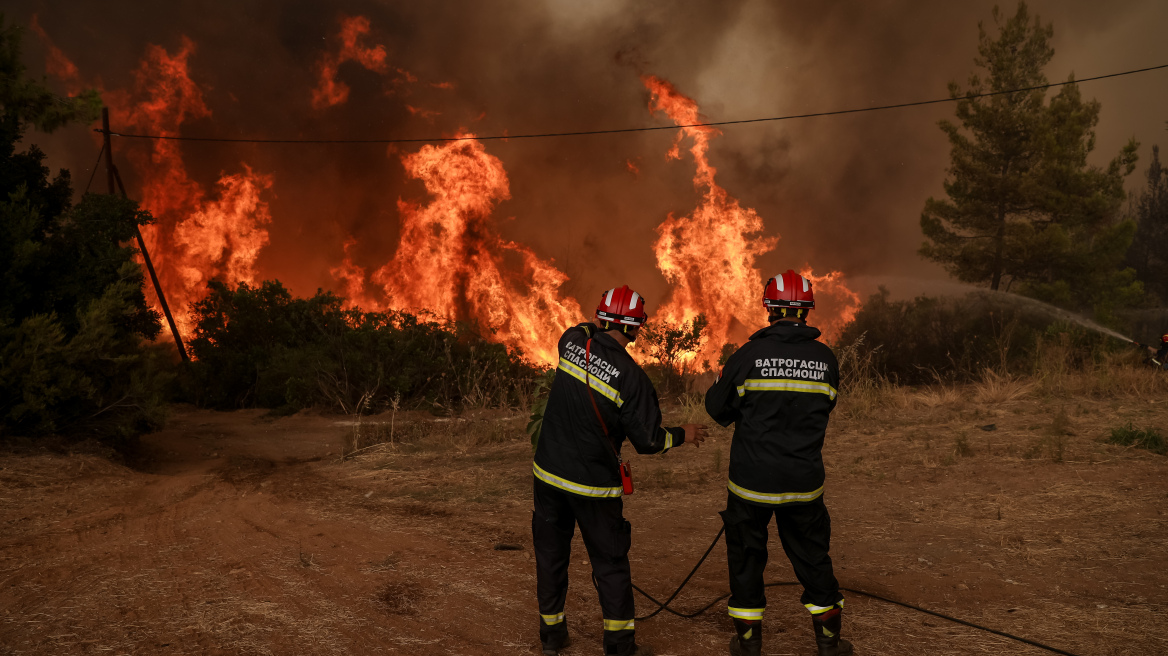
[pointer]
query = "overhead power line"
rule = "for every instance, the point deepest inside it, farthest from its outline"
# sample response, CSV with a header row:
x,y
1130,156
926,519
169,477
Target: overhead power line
x,y
580,133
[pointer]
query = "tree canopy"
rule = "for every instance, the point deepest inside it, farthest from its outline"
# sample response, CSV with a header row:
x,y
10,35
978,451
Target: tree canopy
x,y
74,322
1024,208
1148,254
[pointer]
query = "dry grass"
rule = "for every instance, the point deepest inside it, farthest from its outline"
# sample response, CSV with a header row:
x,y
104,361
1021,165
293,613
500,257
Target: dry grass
x,y
1037,526
863,390
996,387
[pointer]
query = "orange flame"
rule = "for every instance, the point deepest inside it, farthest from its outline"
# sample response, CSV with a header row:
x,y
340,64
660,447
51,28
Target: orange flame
x,y
331,91
352,278
451,262
196,237
56,63
428,114
709,257
831,287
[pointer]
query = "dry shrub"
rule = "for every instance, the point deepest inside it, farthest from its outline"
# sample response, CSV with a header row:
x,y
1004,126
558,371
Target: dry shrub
x,y
399,598
932,397
961,446
383,435
692,409
1124,375
863,389
996,387
1052,364
1059,371
460,434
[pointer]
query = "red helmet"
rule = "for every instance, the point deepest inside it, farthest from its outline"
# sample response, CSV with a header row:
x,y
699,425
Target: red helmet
x,y
622,305
1164,338
788,290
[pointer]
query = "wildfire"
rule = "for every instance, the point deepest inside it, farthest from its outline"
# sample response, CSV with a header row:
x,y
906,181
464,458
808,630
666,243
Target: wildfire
x,y
709,257
832,294
197,236
330,91
451,262
56,63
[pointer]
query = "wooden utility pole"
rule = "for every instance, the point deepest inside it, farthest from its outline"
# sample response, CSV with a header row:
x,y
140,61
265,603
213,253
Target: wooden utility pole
x,y
112,176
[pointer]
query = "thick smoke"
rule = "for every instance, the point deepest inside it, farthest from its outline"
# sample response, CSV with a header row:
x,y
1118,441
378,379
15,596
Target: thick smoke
x,y
844,193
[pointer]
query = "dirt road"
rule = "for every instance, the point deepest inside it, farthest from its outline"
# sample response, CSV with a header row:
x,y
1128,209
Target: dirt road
x,y
241,534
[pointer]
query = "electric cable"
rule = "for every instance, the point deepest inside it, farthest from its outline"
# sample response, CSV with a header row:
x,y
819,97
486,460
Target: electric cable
x,y
579,133
665,606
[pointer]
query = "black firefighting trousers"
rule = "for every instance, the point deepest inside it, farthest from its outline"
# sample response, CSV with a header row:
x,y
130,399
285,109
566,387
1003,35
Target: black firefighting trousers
x,y
805,532
607,537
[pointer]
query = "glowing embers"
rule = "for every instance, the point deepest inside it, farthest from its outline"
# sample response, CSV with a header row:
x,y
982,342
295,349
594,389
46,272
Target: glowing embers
x,y
451,261
709,257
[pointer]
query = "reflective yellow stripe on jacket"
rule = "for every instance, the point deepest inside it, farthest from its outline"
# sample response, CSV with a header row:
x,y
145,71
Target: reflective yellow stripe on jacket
x,y
575,488
668,442
599,385
772,497
785,385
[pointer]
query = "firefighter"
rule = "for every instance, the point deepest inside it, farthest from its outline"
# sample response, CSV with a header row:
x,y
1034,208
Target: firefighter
x,y
599,397
1159,358
778,390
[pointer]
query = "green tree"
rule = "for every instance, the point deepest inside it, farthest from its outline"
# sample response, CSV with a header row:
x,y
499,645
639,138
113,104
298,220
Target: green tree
x,y
1023,205
73,318
24,101
1148,254
669,344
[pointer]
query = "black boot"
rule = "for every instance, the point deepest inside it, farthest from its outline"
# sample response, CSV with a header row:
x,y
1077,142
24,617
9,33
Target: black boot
x,y
555,640
747,640
827,634
634,650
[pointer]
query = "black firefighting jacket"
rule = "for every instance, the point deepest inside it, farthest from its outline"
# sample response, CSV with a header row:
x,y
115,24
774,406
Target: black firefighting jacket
x,y
778,389
573,453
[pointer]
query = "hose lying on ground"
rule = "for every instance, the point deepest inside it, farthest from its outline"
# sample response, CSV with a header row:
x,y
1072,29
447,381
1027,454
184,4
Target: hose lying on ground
x,y
665,605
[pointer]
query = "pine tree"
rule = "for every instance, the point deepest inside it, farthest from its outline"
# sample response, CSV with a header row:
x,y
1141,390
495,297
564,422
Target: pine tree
x,y
1023,205
1148,254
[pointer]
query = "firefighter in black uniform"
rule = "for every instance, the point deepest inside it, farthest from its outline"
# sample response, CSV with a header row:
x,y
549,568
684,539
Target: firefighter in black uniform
x,y
1159,358
600,397
778,390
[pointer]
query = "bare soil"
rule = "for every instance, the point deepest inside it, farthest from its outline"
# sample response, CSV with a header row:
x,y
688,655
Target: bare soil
x,y
238,533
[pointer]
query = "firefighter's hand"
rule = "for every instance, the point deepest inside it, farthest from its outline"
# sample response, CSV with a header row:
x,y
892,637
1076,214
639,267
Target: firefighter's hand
x,y
695,434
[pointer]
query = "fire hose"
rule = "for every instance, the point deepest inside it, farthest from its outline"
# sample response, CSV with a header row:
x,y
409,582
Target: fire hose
x,y
1151,360
666,607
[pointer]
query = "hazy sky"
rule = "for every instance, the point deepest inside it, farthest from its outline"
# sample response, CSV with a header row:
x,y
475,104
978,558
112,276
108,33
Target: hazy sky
x,y
843,192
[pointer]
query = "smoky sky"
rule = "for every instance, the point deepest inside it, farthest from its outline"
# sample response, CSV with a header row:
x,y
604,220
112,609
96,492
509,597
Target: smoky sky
x,y
843,192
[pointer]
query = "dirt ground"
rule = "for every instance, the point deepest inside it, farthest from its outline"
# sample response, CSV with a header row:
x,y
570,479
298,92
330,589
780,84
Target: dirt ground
x,y
238,533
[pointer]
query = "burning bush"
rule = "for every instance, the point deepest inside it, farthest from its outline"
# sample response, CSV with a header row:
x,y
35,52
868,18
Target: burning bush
x,y
674,347
261,347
